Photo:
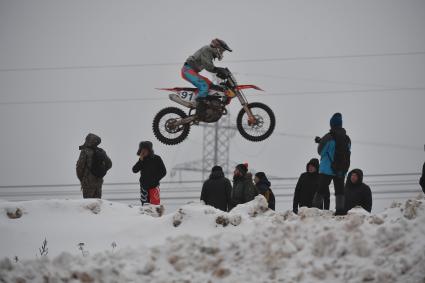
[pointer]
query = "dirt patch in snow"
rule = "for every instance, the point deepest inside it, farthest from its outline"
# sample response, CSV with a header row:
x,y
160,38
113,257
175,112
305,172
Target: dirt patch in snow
x,y
14,213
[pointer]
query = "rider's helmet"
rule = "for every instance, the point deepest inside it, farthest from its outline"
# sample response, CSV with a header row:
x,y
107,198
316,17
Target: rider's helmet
x,y
220,46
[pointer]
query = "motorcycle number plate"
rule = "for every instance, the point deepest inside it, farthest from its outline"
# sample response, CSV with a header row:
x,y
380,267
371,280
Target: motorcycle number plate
x,y
187,95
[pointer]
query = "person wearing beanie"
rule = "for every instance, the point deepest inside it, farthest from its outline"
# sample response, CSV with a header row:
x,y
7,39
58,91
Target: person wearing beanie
x,y
145,145
242,168
335,151
307,186
243,188
92,165
356,192
217,189
152,170
263,187
336,121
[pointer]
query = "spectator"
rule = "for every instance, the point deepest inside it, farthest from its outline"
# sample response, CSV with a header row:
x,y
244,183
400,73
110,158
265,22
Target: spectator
x,y
243,188
356,192
152,170
217,189
307,186
263,187
92,166
422,179
334,149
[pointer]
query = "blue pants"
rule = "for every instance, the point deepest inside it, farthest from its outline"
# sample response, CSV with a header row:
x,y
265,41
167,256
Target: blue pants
x,y
202,83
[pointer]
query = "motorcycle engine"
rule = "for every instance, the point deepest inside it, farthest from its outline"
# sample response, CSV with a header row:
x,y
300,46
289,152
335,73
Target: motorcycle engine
x,y
214,111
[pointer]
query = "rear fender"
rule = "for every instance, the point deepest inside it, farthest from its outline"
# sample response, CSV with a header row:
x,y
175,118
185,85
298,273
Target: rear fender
x,y
180,89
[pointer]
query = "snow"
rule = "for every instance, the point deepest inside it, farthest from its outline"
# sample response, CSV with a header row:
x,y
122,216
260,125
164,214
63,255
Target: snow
x,y
122,243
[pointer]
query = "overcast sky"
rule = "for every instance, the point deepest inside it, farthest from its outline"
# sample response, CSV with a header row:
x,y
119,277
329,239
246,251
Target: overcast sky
x,y
39,141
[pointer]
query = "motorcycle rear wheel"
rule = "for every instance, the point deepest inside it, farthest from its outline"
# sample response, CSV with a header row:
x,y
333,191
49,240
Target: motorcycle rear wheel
x,y
164,130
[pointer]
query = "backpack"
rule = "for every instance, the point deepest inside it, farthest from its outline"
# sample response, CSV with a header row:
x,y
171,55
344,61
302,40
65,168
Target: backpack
x,y
341,160
270,199
98,166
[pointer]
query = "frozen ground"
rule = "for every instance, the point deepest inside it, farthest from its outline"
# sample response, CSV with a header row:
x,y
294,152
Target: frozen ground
x,y
102,241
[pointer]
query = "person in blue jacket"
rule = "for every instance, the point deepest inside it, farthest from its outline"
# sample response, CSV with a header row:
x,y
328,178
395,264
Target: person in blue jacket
x,y
335,150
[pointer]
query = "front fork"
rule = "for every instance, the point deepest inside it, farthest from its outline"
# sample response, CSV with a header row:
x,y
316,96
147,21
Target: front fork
x,y
251,118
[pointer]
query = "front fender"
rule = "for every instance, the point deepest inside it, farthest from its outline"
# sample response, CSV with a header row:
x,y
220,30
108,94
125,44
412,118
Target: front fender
x,y
240,87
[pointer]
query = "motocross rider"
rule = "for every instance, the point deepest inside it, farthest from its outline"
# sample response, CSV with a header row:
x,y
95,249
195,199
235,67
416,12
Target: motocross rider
x,y
203,59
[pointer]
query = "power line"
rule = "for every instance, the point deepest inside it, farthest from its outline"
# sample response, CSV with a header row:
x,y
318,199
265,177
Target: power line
x,y
331,57
329,92
78,185
280,77
365,176
359,142
397,174
346,91
400,146
83,101
165,64
90,67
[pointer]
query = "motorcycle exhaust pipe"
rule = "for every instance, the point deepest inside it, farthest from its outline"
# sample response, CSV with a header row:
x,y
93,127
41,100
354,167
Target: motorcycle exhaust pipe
x,y
174,97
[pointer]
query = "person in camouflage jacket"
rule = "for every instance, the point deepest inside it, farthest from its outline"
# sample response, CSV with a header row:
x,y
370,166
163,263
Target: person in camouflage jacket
x,y
91,185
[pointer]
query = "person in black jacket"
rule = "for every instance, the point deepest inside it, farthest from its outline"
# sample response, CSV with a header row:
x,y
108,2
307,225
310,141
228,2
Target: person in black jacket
x,y
217,189
307,186
263,186
422,179
356,192
243,190
152,170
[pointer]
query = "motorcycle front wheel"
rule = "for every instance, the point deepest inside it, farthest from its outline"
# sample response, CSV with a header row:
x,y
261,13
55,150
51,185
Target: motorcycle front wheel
x,y
165,130
263,126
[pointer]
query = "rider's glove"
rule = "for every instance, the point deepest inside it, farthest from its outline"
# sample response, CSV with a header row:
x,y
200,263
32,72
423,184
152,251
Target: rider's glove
x,y
222,73
317,139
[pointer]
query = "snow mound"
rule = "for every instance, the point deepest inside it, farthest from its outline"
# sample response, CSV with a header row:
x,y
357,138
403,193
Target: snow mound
x,y
250,244
246,211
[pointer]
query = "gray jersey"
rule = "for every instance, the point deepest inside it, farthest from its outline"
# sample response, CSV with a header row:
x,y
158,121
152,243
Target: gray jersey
x,y
203,59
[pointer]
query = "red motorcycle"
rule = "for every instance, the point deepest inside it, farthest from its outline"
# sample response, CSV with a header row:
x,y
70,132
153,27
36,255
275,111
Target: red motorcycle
x,y
255,121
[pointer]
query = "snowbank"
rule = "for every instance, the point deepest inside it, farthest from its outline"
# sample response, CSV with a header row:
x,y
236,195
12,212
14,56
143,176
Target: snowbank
x,y
201,244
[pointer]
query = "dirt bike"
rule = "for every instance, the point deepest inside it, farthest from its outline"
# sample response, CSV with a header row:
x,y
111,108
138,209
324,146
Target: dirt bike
x,y
255,121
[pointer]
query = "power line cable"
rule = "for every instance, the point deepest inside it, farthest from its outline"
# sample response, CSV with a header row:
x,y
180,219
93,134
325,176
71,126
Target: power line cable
x,y
89,67
165,64
400,146
365,55
360,142
83,101
282,94
346,91
279,77
396,174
